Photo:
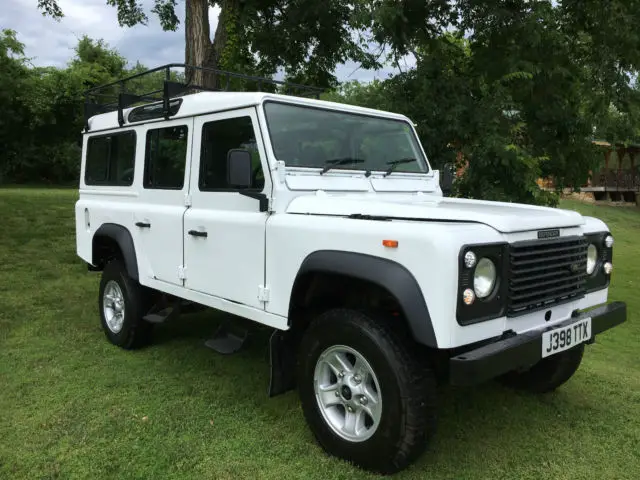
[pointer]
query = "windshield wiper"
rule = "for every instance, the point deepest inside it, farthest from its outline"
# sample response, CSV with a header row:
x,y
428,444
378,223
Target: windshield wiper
x,y
395,163
334,162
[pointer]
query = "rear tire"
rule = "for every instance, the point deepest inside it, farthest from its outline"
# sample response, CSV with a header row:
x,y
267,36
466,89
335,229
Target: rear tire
x,y
548,374
395,421
122,302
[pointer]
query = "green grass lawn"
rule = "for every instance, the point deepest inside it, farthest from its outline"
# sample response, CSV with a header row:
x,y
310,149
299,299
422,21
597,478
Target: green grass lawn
x,y
73,406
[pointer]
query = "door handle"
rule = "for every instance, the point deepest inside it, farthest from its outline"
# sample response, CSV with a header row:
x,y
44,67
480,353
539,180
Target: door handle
x,y
197,233
143,225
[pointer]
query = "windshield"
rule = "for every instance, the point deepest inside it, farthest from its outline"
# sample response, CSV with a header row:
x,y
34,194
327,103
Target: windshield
x,y
312,137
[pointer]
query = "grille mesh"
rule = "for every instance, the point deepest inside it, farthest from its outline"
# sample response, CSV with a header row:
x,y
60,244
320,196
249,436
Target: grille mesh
x,y
545,272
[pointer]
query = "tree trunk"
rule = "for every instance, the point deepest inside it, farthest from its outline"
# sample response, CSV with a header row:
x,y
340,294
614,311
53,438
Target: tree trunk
x,y
200,51
197,40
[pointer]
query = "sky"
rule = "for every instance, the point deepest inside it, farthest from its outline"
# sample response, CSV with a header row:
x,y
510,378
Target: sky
x,y
51,43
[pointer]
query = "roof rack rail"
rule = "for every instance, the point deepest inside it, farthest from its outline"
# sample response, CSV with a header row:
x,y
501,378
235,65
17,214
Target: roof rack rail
x,y
124,93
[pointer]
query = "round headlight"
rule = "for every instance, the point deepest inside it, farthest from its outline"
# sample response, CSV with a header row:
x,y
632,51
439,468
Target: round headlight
x,y
608,241
485,278
592,258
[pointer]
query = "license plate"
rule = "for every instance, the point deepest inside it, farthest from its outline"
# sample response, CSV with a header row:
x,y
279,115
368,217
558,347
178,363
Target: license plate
x,y
564,338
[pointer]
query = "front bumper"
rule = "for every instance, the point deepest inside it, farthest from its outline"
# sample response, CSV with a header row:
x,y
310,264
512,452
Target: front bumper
x,y
524,350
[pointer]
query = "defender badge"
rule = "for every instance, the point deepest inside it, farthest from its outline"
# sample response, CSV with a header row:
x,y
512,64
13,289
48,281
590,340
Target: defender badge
x,y
549,233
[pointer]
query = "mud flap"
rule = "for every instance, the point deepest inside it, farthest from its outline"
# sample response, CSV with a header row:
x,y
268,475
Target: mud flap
x,y
282,355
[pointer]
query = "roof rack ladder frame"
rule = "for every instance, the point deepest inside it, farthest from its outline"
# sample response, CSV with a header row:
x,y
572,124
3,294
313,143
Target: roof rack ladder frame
x,y
121,100
166,105
93,105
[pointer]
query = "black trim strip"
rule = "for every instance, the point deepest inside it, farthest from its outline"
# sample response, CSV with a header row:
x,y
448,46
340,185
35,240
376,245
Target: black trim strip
x,y
599,280
386,273
261,197
123,238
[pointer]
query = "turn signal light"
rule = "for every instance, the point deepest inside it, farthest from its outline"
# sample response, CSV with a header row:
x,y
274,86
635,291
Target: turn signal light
x,y
468,296
390,243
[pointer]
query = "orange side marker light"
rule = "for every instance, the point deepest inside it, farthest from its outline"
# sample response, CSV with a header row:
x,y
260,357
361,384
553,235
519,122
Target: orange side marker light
x,y
390,243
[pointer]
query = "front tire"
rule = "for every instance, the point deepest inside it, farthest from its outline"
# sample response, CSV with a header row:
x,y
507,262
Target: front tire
x,y
364,394
548,374
122,303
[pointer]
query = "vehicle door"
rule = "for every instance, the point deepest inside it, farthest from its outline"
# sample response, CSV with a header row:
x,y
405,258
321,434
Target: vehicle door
x,y
159,214
224,229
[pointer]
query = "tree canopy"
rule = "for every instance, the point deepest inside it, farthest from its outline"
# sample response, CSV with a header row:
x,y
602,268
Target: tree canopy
x,y
41,127
516,88
307,39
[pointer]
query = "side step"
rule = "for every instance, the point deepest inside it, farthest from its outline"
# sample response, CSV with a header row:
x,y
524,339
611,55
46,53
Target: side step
x,y
164,310
228,338
162,315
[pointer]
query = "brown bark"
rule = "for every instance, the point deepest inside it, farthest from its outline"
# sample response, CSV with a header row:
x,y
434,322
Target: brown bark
x,y
197,40
199,49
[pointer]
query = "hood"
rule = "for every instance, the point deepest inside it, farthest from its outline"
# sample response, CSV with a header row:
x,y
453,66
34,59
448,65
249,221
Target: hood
x,y
504,217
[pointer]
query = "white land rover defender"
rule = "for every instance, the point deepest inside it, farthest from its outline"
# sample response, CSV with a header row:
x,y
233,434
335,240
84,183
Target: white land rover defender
x,y
326,223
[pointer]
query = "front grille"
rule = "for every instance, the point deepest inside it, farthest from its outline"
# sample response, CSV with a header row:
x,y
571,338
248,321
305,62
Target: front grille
x,y
545,273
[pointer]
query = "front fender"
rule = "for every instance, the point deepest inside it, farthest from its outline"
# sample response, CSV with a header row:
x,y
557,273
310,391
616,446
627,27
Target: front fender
x,y
385,273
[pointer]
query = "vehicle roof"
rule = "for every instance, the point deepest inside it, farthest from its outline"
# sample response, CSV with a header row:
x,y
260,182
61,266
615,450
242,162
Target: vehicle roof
x,y
210,102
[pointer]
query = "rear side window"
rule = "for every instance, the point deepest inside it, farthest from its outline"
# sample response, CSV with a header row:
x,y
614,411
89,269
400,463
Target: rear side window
x,y
111,159
166,157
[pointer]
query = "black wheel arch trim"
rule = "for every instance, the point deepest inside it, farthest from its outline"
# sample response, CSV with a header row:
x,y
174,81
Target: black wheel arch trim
x,y
122,236
383,272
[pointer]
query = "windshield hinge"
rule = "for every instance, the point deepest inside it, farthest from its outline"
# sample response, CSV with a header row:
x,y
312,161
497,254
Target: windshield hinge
x,y
182,272
187,200
263,294
282,170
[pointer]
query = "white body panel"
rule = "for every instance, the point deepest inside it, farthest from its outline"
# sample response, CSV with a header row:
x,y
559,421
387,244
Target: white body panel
x,y
229,262
296,237
504,217
248,253
161,246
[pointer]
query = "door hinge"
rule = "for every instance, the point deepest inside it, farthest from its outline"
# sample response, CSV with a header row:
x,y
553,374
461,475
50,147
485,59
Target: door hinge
x,y
182,272
263,293
187,200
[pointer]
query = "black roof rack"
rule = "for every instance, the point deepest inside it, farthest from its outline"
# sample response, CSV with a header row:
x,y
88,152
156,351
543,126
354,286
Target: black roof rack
x,y
164,84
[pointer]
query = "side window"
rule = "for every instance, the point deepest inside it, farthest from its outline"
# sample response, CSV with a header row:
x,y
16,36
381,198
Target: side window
x,y
165,157
111,159
220,136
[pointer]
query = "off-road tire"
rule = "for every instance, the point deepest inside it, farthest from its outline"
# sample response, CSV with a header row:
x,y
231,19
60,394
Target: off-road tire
x,y
548,374
135,332
408,390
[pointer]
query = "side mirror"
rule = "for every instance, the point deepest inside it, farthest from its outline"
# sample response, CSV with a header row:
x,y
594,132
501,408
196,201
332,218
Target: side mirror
x,y
447,178
239,168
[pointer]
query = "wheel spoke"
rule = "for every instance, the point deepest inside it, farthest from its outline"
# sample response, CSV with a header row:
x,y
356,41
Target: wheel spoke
x,y
358,367
373,410
350,422
338,363
113,306
354,422
348,393
327,395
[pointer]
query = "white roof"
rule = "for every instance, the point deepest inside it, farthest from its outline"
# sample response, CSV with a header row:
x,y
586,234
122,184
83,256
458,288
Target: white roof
x,y
211,102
